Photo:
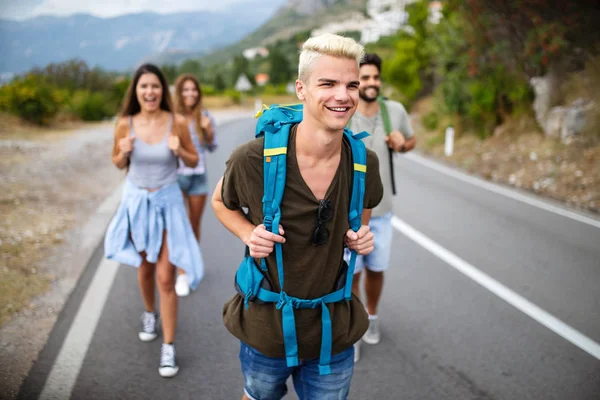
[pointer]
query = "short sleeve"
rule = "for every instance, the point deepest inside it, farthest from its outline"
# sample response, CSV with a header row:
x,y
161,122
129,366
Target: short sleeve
x,y
400,119
373,184
243,174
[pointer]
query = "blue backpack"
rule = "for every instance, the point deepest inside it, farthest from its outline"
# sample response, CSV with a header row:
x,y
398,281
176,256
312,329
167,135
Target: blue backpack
x,y
274,124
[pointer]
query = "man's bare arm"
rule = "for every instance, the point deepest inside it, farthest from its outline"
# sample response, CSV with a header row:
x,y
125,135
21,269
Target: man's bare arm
x,y
410,144
366,215
235,221
257,238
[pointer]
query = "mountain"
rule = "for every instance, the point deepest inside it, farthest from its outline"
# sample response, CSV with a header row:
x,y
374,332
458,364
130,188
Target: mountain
x,y
119,43
293,17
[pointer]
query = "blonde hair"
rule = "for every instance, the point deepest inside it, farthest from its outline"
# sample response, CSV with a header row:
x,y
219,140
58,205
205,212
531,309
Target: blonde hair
x,y
327,44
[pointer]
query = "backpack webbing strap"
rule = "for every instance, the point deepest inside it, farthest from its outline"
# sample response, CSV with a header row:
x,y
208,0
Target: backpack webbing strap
x,y
275,155
359,160
287,304
276,134
385,115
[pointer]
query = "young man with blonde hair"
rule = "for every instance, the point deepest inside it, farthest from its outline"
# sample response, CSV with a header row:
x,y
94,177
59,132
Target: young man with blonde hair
x,y
318,187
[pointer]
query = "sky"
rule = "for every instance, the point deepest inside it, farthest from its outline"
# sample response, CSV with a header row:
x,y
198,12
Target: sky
x,y
23,9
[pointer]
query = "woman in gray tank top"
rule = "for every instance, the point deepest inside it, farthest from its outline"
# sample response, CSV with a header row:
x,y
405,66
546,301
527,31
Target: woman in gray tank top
x,y
150,229
193,181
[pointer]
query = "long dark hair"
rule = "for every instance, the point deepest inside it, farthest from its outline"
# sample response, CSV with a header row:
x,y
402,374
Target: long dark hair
x,y
131,105
196,108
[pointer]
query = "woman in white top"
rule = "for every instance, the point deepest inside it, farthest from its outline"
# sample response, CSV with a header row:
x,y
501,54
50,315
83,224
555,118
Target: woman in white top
x,y
192,181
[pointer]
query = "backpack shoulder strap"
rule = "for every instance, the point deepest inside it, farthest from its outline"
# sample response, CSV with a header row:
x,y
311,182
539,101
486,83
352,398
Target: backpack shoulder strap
x,y
359,162
274,124
385,115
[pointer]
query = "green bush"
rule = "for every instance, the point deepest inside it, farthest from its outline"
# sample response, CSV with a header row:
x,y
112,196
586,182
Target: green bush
x,y
356,35
434,141
275,89
92,106
403,70
32,98
119,89
96,105
208,90
234,95
431,121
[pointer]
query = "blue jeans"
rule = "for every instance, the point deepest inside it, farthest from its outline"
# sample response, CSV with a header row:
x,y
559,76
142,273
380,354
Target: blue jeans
x,y
265,377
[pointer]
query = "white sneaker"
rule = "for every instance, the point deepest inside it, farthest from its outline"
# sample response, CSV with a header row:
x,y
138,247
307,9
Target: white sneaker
x,y
372,336
182,286
148,331
356,351
168,367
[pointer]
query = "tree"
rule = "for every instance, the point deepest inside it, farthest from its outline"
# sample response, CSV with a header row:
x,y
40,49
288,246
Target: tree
x,y
241,66
74,75
409,68
404,69
280,70
219,83
32,98
486,52
170,72
191,67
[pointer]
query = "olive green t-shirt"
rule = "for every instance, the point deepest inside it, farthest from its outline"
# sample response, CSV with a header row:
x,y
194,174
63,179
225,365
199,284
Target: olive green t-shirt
x,y
309,271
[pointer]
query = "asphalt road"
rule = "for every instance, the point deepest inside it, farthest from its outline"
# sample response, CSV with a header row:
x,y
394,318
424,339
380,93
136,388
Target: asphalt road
x,y
445,334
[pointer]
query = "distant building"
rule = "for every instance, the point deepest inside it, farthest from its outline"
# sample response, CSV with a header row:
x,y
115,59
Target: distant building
x,y
243,84
375,7
261,79
290,88
385,17
435,12
356,22
384,24
252,53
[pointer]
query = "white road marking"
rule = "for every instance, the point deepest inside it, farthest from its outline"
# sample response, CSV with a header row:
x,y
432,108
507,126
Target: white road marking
x,y
65,370
512,298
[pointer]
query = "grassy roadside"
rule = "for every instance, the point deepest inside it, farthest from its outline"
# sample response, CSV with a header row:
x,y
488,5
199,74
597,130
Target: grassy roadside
x,y
14,128
34,214
519,155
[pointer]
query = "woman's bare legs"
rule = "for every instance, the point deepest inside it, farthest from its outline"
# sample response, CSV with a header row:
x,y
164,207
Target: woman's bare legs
x,y
146,273
165,278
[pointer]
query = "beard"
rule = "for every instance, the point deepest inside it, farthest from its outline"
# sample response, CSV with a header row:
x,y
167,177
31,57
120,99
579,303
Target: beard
x,y
363,94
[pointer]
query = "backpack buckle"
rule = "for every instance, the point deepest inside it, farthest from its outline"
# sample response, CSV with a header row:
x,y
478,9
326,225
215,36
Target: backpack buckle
x,y
283,300
268,222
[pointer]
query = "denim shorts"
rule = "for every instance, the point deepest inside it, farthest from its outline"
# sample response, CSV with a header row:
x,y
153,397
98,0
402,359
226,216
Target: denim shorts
x,y
193,185
379,259
265,377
